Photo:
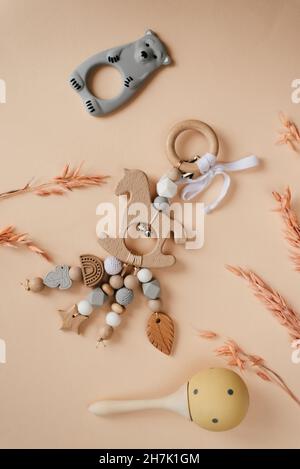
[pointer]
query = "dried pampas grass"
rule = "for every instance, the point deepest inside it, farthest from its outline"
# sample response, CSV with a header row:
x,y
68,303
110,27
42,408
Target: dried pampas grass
x,y
274,302
291,223
236,357
290,135
10,238
68,180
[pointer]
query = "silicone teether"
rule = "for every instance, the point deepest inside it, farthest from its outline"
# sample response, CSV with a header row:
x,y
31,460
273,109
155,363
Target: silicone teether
x,y
135,61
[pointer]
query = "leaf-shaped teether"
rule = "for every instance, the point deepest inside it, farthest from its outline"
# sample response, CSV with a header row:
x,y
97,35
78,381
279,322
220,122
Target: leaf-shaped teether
x,y
160,332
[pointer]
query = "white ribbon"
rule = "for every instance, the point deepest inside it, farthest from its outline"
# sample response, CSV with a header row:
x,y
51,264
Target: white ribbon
x,y
209,168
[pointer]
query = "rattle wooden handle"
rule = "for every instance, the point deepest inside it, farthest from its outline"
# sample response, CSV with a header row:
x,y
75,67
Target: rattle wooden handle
x,y
103,408
175,402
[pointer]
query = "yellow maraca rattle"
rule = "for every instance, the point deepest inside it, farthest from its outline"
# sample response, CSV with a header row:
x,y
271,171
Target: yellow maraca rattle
x,y
217,399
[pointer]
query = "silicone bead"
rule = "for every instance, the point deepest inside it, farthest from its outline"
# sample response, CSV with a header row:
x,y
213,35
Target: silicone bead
x,y
151,289
124,296
161,204
75,274
97,297
113,319
116,281
166,188
84,307
131,282
144,275
112,265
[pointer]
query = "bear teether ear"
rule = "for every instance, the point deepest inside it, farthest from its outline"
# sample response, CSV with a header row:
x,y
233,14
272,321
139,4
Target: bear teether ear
x,y
166,60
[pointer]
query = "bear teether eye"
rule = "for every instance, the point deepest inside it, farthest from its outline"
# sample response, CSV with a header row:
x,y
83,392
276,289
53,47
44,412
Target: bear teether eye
x,y
230,392
195,391
154,56
146,44
214,420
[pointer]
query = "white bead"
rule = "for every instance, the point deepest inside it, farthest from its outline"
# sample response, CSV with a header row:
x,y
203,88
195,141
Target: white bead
x,y
144,275
113,319
112,265
84,307
161,204
166,188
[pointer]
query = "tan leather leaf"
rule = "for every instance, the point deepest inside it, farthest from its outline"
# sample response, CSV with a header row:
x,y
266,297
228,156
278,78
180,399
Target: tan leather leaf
x,y
160,332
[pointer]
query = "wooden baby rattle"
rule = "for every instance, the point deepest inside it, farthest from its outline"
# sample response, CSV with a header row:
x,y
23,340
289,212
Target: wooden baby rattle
x,y
216,399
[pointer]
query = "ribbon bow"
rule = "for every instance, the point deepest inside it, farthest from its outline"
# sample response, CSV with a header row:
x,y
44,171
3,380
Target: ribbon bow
x,y
210,169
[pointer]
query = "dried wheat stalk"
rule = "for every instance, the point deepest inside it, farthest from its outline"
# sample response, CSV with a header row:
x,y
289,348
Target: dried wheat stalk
x,y
291,223
237,357
68,180
290,135
9,237
272,300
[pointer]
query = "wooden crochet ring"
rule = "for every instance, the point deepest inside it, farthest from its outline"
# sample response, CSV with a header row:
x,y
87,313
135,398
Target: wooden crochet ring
x,y
203,128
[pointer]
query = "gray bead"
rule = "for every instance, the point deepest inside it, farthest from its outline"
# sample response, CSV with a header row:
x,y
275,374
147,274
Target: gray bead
x,y
97,297
124,296
161,204
151,289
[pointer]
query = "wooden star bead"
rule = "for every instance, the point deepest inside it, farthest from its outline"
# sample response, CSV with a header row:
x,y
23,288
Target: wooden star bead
x,y
107,289
119,309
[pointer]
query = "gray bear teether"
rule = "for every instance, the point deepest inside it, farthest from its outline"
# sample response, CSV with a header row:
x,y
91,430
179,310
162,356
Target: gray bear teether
x,y
135,61
58,278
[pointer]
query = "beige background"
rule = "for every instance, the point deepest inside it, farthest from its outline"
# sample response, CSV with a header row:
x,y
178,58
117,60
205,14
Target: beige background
x,y
234,62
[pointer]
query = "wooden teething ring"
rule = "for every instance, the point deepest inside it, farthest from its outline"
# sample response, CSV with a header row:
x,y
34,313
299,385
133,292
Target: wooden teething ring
x,y
204,129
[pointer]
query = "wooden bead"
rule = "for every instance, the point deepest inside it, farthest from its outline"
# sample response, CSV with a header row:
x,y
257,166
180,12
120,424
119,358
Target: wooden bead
x,y
174,174
116,281
155,305
36,284
106,332
119,309
131,282
107,289
75,273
